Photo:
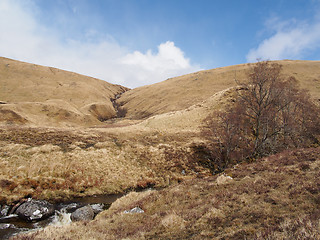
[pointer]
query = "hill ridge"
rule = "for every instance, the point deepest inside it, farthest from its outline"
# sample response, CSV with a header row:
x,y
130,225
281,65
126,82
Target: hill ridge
x,y
35,94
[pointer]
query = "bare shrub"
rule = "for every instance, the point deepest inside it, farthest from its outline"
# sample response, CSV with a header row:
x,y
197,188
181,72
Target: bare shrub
x,y
228,132
270,114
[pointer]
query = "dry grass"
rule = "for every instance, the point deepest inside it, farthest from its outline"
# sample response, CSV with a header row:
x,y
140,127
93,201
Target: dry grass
x,y
182,92
190,119
274,198
56,164
48,96
125,154
44,96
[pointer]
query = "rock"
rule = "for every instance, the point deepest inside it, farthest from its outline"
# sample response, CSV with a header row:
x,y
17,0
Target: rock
x,y
224,179
6,226
4,210
71,207
97,208
82,214
35,210
15,207
134,210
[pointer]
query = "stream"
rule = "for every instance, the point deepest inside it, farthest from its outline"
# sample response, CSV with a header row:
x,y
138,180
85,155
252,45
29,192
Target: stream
x,y
12,224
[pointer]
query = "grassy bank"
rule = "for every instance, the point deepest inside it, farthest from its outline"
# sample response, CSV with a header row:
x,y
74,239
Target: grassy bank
x,y
56,164
276,197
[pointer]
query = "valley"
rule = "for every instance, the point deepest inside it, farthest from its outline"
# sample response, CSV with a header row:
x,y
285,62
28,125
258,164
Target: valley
x,y
64,135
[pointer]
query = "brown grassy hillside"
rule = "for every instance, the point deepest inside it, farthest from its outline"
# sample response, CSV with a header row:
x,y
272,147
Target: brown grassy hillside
x,y
182,92
157,147
40,95
263,200
32,94
274,198
58,163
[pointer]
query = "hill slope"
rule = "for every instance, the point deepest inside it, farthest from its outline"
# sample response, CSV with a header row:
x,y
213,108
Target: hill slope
x,y
160,151
45,96
182,92
274,198
35,94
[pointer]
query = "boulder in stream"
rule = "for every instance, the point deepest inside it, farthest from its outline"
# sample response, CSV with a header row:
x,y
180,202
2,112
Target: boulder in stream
x,y
4,210
97,208
35,210
83,214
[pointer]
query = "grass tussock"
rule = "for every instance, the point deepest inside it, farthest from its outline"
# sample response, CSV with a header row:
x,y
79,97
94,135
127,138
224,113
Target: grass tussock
x,y
276,197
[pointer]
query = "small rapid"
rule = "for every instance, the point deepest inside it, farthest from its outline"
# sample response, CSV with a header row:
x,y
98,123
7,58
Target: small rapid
x,y
12,225
61,218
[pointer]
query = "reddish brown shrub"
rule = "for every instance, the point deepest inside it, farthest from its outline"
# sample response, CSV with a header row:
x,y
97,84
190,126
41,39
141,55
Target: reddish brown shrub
x,y
270,114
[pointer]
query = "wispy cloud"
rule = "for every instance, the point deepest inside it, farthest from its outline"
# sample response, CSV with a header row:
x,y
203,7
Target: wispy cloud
x,y
290,39
24,37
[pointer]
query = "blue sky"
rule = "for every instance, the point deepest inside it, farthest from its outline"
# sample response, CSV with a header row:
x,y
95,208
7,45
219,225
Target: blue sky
x,y
139,42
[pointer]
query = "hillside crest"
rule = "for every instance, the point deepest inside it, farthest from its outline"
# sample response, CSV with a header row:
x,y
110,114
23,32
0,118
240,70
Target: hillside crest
x,y
38,95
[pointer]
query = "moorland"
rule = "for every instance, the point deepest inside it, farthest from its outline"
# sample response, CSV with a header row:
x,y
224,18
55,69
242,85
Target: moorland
x,y
66,135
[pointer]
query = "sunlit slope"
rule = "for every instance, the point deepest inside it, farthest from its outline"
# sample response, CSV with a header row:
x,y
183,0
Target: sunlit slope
x,y
182,92
33,94
191,118
39,95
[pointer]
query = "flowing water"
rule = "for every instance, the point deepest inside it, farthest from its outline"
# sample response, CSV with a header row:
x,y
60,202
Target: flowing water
x,y
12,224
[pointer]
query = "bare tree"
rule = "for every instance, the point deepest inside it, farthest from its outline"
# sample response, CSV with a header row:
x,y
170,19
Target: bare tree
x,y
271,113
227,131
264,100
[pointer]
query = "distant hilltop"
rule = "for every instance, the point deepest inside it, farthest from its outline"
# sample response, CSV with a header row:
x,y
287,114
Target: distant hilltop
x,y
38,95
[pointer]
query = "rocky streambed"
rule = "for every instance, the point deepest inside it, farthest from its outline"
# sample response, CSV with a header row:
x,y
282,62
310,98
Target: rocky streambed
x,y
33,214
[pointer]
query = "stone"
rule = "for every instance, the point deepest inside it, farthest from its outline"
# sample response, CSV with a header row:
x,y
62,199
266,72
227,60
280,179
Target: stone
x,y
4,210
83,214
134,210
71,207
6,226
97,208
224,179
35,210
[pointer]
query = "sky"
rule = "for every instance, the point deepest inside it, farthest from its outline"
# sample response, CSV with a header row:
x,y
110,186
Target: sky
x,y
140,42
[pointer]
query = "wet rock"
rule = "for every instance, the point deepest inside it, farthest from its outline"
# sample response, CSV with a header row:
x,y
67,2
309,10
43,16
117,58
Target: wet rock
x,y
82,214
4,211
15,207
97,208
71,207
35,210
134,210
6,226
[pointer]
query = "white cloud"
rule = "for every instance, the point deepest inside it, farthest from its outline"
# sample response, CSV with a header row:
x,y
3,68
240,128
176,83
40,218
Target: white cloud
x,y
168,56
167,62
292,39
24,38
